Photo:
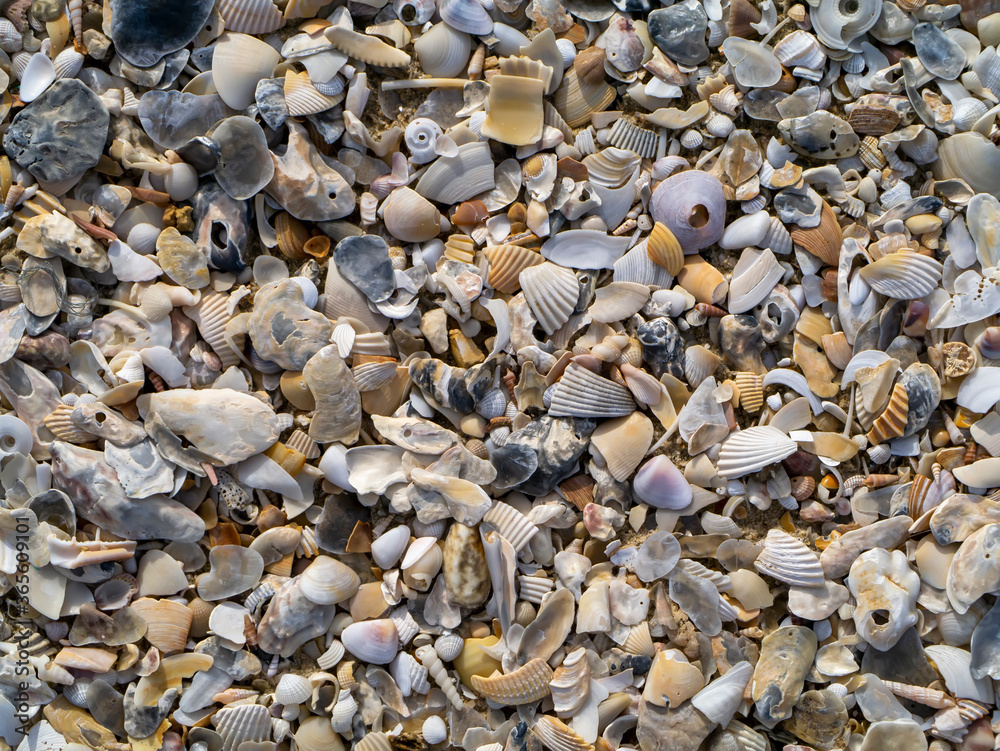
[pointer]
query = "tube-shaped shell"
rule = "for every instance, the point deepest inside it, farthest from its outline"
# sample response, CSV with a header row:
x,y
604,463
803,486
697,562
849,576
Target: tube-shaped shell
x,y
526,684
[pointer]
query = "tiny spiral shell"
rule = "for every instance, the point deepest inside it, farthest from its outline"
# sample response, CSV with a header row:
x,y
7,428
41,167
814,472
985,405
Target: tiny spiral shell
x,y
429,659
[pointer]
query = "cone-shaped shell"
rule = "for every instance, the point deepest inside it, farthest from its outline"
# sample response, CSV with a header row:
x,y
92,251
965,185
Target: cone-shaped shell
x,y
526,684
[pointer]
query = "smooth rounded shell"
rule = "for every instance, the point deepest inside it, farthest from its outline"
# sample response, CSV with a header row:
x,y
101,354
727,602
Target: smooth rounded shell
x,y
692,205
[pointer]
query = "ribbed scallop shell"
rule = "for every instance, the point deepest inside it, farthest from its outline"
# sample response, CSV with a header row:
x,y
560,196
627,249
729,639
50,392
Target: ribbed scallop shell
x,y
556,735
777,238
449,646
460,248
639,641
611,167
302,98
570,683
211,315
511,524
65,429
374,742
552,293
699,363
371,376
156,303
526,684
68,63
788,560
636,266
903,275
586,141
753,449
534,588
664,249
628,135
333,654
751,391
583,393
242,723
892,422
727,100
577,100
300,441
250,16
506,264
292,689
167,623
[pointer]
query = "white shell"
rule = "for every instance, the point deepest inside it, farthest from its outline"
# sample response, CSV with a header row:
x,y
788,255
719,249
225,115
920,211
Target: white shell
x,y
443,52
551,292
37,77
292,689
720,699
388,547
372,641
451,180
250,16
903,275
754,277
954,665
512,525
240,61
753,449
582,393
788,560
434,730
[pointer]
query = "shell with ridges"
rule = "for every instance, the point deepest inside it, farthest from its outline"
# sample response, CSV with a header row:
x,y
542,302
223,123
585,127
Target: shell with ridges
x,y
526,684
787,559
570,683
753,449
552,293
506,264
583,393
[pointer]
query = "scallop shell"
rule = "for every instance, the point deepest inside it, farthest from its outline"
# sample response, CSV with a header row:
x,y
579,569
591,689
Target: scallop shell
x,y
623,443
250,16
302,98
511,524
823,241
167,623
903,275
576,100
570,683
63,428
751,391
211,315
788,560
618,301
451,180
551,292
627,135
556,735
699,363
366,48
639,641
664,249
753,449
292,689
892,422
449,646
526,684
238,724
374,375
582,393
506,264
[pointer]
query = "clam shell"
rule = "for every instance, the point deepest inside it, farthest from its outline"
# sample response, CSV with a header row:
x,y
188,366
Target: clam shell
x,y
788,560
302,98
617,301
451,180
250,16
751,391
506,264
410,217
515,115
239,62
466,15
672,680
903,275
582,393
637,266
375,641
449,646
753,278
551,292
167,623
753,449
292,689
576,99
327,581
526,684
241,724
443,51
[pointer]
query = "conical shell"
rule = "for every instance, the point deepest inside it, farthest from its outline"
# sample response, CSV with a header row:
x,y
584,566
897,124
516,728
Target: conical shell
x,y
788,560
892,422
623,443
552,293
753,449
582,393
664,249
570,683
526,684
506,264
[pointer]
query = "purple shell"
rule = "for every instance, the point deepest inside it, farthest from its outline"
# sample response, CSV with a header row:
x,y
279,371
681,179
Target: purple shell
x,y
692,205
660,484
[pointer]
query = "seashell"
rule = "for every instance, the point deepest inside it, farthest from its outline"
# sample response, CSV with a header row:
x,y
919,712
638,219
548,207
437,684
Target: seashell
x,y
617,301
526,684
692,139
672,680
443,51
506,264
969,157
954,665
623,443
67,64
327,581
838,24
410,217
892,422
551,292
239,62
511,524
250,16
570,683
751,391
515,114
753,449
971,573
302,98
628,136
800,48
374,641
167,623
240,724
212,315
903,275
576,99
466,15
788,560
582,393
721,698
434,730
556,735
705,282
292,689
449,646
368,49
58,422
692,206
36,78
664,249
753,278
451,180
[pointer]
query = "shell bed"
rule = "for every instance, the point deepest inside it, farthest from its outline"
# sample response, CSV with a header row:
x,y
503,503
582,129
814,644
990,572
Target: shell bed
x,y
499,375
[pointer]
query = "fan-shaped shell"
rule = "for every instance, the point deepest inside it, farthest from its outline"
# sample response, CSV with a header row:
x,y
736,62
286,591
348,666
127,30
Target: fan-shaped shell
x,y
292,689
449,646
551,292
623,443
327,581
720,699
618,301
506,264
62,427
556,735
211,315
512,525
753,449
526,684
664,249
167,623
250,16
239,62
954,665
443,51
787,559
302,98
453,179
582,393
577,99
751,391
241,723
903,275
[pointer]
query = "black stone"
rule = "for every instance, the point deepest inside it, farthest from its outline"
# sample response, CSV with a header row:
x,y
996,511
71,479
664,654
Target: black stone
x,y
145,30
61,134
662,347
514,463
270,97
680,32
364,262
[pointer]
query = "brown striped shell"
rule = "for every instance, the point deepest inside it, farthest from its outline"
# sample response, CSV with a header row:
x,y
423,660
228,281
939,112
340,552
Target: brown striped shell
x,y
506,264
892,422
526,684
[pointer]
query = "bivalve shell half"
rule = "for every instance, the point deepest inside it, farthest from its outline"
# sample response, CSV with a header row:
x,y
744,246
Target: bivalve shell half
x,y
623,443
552,293
375,641
753,449
788,560
664,249
239,62
327,581
583,393
556,735
250,16
292,689
506,264
903,275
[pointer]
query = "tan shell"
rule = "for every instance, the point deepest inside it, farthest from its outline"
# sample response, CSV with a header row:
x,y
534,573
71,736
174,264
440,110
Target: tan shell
x,y
672,680
556,735
623,443
705,282
751,391
892,422
65,429
167,623
506,264
526,684
664,249
366,48
823,241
